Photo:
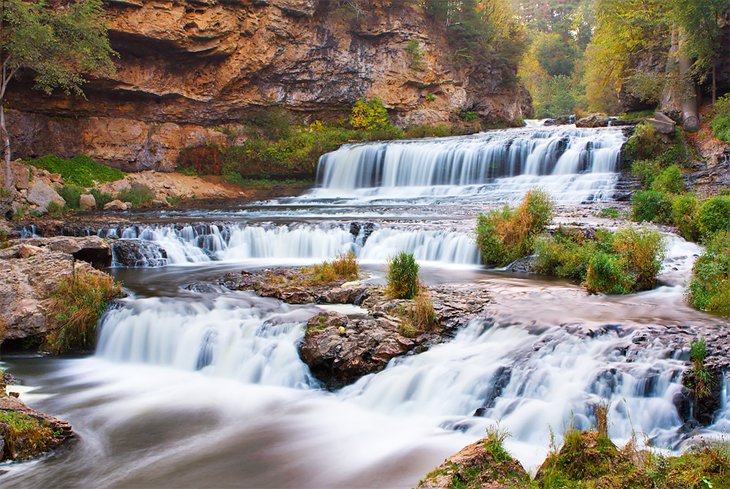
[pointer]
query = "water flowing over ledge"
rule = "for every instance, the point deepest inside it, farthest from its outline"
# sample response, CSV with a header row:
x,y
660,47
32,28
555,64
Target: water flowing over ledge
x,y
574,165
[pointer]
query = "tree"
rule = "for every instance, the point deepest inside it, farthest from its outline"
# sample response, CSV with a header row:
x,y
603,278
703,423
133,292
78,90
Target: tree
x,y
55,44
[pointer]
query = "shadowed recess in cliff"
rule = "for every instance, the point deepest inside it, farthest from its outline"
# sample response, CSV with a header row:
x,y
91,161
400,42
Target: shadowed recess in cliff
x,y
572,164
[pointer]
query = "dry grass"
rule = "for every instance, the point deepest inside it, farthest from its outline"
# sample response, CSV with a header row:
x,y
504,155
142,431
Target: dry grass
x,y
76,308
419,317
344,267
25,436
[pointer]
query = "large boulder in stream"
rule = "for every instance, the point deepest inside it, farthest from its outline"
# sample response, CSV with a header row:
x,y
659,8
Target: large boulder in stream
x,y
134,253
481,465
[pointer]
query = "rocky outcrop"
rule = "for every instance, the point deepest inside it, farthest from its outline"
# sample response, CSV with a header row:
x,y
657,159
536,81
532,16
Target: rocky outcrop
x,y
42,195
132,253
32,271
24,432
188,67
481,465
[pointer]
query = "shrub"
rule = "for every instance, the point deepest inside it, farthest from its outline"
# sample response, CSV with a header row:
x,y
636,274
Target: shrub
x,y
79,170
702,377
505,235
669,181
714,215
369,115
415,52
468,116
643,253
428,130
721,122
709,289
272,123
646,143
685,215
344,267
651,206
402,276
564,256
609,213
101,198
76,308
606,274
71,194
138,194
646,171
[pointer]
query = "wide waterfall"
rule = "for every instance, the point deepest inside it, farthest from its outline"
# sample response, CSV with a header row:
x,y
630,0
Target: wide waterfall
x,y
573,164
295,242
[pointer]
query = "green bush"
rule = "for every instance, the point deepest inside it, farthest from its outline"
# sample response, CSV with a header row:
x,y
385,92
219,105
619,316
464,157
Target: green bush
x,y
564,255
642,250
607,274
669,181
272,123
651,206
721,122
79,170
71,194
645,144
138,194
508,234
369,115
101,198
714,215
402,276
646,171
709,289
685,211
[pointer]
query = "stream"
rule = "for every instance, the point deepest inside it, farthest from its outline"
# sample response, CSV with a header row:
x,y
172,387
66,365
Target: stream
x,y
193,385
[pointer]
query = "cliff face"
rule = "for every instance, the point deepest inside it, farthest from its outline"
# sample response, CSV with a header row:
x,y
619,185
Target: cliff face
x,y
186,66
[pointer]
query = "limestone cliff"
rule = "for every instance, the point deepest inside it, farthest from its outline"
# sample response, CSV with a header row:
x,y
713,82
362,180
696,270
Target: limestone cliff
x,y
186,66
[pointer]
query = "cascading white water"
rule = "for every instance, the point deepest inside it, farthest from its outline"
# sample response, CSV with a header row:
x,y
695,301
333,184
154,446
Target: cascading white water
x,y
573,164
230,243
237,336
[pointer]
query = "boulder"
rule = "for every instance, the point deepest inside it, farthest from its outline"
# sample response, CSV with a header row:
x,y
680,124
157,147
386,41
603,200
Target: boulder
x,y
41,195
21,173
115,205
87,201
593,120
346,294
134,253
483,464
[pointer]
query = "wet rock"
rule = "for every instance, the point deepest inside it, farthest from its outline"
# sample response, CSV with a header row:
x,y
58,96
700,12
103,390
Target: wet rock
x,y
346,294
362,229
133,253
366,346
116,205
525,264
31,273
593,120
477,467
87,202
42,195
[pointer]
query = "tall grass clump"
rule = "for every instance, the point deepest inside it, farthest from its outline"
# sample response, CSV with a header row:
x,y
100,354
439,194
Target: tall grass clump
x,y
138,194
507,234
344,267
71,194
419,317
714,215
564,254
709,289
75,310
79,170
402,276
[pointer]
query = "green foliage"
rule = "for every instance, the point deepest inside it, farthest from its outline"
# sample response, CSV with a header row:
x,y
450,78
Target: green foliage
x,y
609,213
645,144
685,212
79,170
468,116
25,436
430,97
714,215
669,181
709,289
428,131
76,308
607,274
721,118
415,52
507,234
56,42
138,194
646,171
71,194
565,255
101,198
369,115
651,206
402,276
272,123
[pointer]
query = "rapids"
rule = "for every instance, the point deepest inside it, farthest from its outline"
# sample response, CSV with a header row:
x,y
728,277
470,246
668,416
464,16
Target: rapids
x,y
197,386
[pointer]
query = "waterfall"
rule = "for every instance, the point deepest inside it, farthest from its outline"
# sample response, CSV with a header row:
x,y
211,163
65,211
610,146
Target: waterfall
x,y
239,242
238,336
574,164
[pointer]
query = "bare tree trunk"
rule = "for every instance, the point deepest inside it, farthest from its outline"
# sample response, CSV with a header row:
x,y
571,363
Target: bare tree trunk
x,y
6,148
690,112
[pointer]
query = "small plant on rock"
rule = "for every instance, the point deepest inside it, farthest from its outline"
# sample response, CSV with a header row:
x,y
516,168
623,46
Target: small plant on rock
x,y
703,380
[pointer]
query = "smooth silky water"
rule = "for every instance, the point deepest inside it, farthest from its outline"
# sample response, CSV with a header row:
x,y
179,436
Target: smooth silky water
x,y
196,386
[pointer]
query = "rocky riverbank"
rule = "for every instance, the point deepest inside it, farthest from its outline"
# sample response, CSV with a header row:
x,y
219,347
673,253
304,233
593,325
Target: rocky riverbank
x,y
24,432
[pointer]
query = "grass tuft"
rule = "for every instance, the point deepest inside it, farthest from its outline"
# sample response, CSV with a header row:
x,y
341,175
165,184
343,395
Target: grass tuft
x,y
402,277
